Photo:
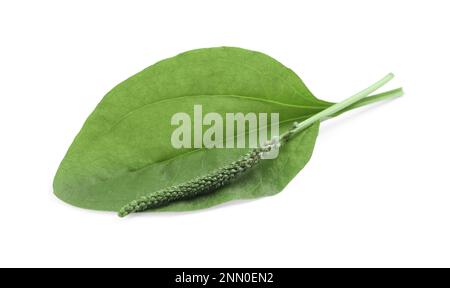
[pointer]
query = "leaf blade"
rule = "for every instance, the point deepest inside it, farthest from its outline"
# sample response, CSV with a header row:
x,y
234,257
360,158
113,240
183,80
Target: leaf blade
x,y
108,163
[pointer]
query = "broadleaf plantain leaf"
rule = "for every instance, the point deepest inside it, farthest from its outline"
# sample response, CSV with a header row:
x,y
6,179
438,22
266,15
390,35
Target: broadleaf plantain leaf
x,y
123,150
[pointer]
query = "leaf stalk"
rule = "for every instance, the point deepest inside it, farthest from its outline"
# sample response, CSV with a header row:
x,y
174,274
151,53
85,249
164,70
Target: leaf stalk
x,y
341,106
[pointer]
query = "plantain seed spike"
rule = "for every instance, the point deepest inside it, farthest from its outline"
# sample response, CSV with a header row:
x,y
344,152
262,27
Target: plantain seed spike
x,y
197,186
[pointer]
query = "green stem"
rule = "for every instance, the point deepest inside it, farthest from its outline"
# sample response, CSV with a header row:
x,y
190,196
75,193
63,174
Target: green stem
x,y
339,107
391,94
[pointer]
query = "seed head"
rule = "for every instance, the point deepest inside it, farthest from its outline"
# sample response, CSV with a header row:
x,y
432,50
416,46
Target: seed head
x,y
198,186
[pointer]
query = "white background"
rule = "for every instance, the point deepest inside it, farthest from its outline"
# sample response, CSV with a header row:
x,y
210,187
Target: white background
x,y
375,193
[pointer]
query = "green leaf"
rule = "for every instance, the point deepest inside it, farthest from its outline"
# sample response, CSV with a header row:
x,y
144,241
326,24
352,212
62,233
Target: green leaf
x,y
124,151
